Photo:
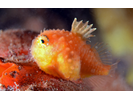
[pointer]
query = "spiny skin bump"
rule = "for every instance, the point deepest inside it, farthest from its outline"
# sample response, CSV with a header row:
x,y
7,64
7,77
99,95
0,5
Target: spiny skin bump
x,y
66,55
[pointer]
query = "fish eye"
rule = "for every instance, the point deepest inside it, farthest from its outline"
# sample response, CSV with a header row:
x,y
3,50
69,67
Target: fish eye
x,y
42,41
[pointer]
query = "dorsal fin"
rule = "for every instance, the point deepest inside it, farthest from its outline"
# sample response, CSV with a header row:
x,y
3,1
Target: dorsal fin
x,y
82,29
104,54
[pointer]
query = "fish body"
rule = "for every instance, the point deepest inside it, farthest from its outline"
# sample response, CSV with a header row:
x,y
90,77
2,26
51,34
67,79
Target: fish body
x,y
66,55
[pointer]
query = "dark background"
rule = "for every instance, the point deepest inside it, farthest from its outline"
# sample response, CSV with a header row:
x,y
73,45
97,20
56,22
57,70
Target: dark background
x,y
43,18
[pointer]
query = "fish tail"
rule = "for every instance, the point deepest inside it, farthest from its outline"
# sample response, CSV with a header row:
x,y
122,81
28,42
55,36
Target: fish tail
x,y
113,68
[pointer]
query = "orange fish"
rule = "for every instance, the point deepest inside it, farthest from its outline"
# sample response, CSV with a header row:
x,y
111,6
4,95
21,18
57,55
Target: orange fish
x,y
66,55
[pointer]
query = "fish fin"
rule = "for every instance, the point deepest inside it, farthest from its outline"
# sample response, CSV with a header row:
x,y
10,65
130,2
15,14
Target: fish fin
x,y
96,82
107,83
113,68
102,53
83,29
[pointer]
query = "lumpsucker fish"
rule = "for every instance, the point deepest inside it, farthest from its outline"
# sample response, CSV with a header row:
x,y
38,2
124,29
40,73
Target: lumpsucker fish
x,y
65,54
